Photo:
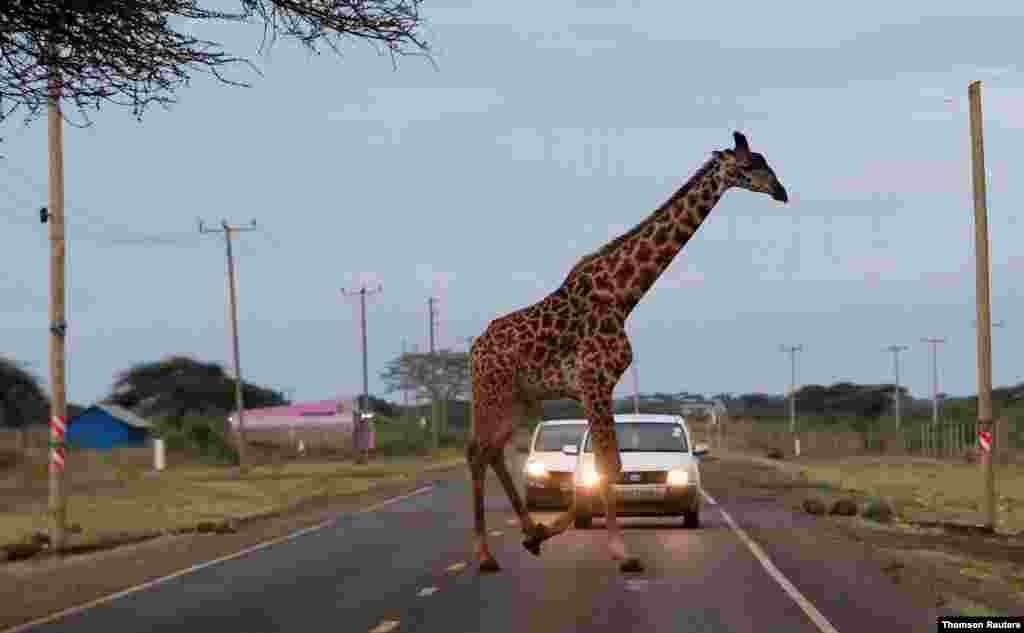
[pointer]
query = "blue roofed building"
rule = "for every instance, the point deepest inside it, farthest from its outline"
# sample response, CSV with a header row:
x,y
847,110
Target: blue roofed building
x,y
107,426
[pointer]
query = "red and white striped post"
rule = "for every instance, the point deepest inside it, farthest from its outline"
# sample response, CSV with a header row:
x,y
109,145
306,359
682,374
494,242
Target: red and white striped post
x,y
58,429
985,440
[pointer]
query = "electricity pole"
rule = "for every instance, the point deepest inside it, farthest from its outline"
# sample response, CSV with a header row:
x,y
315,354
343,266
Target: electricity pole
x,y
984,301
896,349
54,213
227,230
792,350
363,292
636,385
934,342
434,413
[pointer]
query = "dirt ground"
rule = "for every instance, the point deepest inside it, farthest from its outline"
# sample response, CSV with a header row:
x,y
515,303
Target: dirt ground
x,y
970,572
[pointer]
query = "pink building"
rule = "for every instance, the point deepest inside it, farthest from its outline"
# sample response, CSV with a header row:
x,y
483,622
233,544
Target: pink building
x,y
334,415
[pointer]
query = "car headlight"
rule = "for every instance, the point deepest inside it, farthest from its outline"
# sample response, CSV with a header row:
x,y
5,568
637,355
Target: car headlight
x,y
536,469
591,477
678,477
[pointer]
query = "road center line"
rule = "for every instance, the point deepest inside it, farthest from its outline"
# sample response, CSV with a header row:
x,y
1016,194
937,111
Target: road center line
x,y
210,563
426,591
816,617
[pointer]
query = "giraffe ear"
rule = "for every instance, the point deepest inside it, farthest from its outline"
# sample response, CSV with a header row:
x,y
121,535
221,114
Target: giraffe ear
x,y
742,149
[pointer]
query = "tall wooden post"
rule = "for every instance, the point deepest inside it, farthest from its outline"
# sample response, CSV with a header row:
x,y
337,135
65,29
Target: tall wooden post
x,y
985,418
58,407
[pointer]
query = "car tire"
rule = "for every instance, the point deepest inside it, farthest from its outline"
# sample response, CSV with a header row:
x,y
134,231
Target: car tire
x,y
583,521
691,519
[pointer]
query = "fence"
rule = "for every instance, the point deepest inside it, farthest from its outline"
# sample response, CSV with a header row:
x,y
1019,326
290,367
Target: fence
x,y
947,439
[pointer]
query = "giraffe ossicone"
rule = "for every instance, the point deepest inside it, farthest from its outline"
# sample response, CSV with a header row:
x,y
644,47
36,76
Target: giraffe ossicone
x,y
573,343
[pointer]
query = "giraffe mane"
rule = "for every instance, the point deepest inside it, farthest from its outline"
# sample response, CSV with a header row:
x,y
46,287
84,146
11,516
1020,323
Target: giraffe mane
x,y
704,169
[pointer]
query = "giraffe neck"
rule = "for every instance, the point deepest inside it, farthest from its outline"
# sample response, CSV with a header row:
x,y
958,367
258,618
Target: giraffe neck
x,y
623,270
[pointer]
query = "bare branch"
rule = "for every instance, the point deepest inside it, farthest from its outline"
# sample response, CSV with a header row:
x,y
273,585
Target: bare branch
x,y
128,52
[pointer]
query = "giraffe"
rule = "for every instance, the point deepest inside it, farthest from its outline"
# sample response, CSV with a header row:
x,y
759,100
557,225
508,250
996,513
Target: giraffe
x,y
573,344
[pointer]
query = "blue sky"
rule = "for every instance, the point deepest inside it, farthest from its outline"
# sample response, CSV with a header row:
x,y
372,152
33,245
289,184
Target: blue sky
x,y
545,130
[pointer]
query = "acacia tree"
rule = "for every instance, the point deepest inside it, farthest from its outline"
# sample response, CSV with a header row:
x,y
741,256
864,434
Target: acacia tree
x,y
135,53
441,376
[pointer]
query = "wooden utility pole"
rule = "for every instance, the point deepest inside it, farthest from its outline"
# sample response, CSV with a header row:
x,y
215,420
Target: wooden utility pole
x,y
435,405
360,422
233,300
54,214
986,437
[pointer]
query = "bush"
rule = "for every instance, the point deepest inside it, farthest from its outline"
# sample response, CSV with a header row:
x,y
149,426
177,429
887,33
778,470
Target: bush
x,y
201,437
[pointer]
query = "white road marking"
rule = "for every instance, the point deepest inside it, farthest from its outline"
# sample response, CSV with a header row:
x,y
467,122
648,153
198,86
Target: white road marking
x,y
426,591
512,521
816,617
456,567
210,563
385,626
496,532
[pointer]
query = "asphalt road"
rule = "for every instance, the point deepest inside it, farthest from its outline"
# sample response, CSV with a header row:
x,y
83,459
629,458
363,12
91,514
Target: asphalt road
x,y
367,572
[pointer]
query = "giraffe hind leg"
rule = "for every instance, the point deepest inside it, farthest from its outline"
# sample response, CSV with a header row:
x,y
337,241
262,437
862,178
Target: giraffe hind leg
x,y
477,459
535,532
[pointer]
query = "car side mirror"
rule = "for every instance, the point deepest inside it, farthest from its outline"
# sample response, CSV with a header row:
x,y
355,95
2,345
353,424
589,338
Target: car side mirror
x,y
570,449
700,450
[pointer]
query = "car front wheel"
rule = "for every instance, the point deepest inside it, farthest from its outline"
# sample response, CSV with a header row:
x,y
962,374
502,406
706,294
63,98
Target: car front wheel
x,y
691,519
583,521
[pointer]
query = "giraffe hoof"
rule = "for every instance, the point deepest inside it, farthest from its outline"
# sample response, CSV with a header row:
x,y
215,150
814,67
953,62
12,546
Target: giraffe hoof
x,y
631,565
489,566
532,545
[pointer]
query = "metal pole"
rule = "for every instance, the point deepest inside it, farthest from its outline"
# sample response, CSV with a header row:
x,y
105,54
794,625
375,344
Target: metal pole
x,y
58,404
934,342
792,350
896,349
985,420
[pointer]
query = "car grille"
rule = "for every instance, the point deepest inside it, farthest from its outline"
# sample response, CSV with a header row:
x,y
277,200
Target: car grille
x,y
645,477
559,477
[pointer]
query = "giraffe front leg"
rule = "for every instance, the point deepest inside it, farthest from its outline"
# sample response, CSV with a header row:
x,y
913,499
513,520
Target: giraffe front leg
x,y
609,465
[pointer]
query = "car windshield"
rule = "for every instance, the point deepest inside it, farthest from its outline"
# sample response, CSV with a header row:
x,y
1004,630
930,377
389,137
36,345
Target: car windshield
x,y
648,437
553,437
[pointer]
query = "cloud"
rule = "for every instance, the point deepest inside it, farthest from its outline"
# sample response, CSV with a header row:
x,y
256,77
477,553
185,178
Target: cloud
x,y
400,106
438,280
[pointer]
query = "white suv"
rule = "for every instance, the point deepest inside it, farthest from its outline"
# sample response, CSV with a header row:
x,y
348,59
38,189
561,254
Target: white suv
x,y
660,472
552,461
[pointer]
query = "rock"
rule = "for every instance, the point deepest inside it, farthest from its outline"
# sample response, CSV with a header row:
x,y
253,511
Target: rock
x,y
775,454
40,538
216,527
813,505
878,510
844,507
19,551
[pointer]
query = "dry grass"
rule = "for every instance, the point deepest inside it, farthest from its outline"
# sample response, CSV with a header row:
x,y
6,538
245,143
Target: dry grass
x,y
185,495
925,488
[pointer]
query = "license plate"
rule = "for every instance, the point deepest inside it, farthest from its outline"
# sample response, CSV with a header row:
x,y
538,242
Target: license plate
x,y
634,493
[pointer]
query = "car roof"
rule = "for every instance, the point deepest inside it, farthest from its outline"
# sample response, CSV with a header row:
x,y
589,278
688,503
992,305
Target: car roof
x,y
627,417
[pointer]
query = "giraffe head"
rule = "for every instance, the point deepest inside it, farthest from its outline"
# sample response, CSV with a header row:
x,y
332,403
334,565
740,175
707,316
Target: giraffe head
x,y
749,170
